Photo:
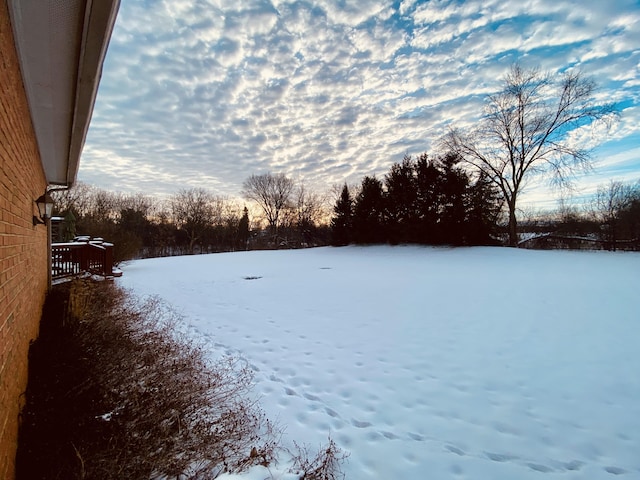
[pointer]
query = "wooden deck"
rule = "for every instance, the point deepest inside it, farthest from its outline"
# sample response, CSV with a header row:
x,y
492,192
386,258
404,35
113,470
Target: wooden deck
x,y
76,258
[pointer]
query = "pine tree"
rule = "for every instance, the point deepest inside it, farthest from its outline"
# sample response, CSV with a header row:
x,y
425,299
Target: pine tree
x,y
243,229
368,212
428,202
484,204
341,223
453,194
401,201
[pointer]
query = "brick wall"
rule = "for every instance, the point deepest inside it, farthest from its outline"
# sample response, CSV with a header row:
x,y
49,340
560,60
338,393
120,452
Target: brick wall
x,y
23,247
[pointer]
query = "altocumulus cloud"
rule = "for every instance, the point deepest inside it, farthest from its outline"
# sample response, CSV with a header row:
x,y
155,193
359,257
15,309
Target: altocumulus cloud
x,y
204,93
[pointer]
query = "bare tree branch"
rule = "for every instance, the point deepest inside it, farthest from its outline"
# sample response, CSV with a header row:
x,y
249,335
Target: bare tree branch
x,y
271,192
527,129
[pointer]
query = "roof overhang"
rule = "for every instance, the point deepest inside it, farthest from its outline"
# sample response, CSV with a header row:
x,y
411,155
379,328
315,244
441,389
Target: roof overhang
x,y
61,47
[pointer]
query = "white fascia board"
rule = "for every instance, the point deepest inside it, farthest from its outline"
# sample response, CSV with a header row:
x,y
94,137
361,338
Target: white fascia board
x,y
61,47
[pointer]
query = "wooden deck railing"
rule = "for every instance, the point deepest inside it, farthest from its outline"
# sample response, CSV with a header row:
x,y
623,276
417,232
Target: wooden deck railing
x,y
75,258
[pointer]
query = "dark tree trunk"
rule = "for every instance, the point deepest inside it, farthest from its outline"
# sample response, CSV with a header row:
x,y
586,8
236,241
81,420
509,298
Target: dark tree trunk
x,y
513,224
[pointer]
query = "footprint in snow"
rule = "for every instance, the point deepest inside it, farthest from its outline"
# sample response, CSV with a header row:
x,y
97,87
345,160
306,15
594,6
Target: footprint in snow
x,y
455,450
500,457
359,424
539,467
573,465
331,413
615,470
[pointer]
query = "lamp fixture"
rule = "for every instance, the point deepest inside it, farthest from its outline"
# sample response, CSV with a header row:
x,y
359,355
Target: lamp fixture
x,y
45,208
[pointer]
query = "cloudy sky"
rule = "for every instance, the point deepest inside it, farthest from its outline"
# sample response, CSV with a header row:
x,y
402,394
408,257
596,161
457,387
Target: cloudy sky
x,y
204,93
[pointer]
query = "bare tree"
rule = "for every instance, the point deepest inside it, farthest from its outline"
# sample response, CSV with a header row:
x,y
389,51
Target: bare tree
x,y
227,215
528,129
309,206
87,201
272,193
138,202
76,199
192,210
608,205
104,204
305,213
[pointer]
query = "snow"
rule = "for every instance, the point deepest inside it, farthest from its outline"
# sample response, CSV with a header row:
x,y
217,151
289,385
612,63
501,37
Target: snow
x,y
466,363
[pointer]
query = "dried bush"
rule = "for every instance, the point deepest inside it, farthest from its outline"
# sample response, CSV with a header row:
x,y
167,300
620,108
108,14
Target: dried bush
x,y
324,465
116,391
151,402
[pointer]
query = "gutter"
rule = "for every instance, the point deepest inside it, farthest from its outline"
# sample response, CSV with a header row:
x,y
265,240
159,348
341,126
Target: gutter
x,y
99,20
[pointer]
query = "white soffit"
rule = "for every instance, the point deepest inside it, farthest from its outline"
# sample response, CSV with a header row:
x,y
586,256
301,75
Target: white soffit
x,y
61,45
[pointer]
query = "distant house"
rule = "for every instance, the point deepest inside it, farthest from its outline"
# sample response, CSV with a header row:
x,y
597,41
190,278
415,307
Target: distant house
x,y
51,55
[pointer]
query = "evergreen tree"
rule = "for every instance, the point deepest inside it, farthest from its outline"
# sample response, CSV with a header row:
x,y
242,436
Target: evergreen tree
x,y
243,229
368,212
453,192
428,200
484,204
401,201
341,223
422,200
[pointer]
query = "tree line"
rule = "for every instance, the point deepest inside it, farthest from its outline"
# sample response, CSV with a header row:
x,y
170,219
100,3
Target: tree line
x,y
609,220
193,220
616,209
420,200
436,201
424,200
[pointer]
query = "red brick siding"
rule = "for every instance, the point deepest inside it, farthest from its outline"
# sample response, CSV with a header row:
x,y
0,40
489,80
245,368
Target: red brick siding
x,y
23,247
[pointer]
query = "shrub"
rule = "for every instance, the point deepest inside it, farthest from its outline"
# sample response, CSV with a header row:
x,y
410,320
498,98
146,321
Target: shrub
x,y
324,465
147,401
116,391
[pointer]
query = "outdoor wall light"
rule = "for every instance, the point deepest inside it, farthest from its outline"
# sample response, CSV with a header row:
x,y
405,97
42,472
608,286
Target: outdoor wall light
x,y
45,209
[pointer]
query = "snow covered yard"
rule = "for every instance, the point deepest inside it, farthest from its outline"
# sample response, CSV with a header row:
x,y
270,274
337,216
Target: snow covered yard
x,y
466,363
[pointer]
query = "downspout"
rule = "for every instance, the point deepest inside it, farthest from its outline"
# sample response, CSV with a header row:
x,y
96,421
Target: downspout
x,y
49,242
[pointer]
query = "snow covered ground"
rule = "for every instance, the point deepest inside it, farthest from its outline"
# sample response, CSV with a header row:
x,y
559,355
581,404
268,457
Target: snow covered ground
x,y
466,363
